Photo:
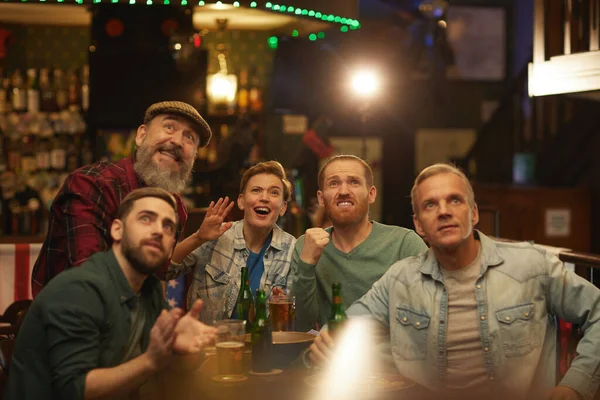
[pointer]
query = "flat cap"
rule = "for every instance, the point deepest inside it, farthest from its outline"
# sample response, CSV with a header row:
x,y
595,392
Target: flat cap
x,y
185,110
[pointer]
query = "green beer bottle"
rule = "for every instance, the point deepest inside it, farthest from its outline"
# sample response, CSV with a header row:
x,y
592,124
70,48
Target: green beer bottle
x,y
338,314
245,301
261,338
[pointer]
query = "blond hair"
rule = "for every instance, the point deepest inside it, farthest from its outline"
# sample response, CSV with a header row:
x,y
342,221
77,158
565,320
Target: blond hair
x,y
436,169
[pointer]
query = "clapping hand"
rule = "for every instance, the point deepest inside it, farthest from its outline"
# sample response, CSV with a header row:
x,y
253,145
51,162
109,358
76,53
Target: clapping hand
x,y
212,226
191,335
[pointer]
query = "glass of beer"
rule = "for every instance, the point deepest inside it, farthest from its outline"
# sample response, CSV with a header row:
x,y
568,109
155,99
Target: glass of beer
x,y
230,347
282,310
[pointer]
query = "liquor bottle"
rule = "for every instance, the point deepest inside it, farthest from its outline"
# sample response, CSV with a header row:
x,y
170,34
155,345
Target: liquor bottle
x,y
87,153
48,96
3,166
58,154
74,91
42,156
338,317
255,96
33,92
28,158
245,301
85,88
19,95
4,94
61,93
261,337
14,153
243,93
72,156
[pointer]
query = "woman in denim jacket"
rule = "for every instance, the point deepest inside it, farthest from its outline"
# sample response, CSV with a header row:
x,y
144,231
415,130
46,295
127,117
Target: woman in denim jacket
x,y
218,251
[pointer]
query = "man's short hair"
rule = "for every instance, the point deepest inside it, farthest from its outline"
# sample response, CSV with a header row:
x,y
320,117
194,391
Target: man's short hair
x,y
346,157
436,169
129,200
272,168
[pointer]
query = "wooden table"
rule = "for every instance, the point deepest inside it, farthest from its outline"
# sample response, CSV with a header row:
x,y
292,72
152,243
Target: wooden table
x,y
289,385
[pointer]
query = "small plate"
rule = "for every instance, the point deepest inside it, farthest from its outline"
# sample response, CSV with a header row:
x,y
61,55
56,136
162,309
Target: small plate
x,y
229,378
270,373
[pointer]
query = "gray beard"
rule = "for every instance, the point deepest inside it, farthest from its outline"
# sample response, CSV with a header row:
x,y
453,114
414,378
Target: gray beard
x,y
152,175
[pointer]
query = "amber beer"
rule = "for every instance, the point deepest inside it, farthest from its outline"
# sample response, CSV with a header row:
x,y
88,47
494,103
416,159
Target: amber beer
x,y
230,357
230,347
282,313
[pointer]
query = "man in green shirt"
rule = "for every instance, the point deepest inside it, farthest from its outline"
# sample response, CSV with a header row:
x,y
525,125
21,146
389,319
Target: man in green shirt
x,y
102,330
355,251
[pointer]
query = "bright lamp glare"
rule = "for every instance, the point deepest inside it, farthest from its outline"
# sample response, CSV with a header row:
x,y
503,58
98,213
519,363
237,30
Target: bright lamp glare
x,y
352,360
365,83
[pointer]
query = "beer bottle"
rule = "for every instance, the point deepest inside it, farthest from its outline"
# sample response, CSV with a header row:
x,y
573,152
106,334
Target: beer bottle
x,y
261,338
338,315
245,301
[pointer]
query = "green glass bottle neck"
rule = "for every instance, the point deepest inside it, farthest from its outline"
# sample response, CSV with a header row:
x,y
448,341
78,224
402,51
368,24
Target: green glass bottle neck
x,y
261,305
245,277
337,305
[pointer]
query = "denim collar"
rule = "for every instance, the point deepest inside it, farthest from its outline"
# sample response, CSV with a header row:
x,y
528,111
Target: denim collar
x,y
489,257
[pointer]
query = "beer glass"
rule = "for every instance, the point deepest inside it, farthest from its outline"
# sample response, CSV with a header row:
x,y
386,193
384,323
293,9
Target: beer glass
x,y
282,310
230,347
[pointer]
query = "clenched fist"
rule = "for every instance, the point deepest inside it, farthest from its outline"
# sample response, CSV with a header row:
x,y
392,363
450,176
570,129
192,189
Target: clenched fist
x,y
315,241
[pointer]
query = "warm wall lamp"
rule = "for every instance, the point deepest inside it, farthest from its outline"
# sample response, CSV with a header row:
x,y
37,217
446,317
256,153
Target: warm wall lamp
x,y
221,86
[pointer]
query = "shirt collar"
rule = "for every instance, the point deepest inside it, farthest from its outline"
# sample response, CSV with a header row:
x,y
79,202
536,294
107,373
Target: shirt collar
x,y
489,257
240,244
122,286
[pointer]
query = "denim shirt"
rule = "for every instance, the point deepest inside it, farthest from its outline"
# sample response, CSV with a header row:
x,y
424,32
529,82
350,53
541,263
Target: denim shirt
x,y
520,292
217,270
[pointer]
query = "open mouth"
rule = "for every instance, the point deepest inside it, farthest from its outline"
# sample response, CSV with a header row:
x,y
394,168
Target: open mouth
x,y
262,210
344,203
171,154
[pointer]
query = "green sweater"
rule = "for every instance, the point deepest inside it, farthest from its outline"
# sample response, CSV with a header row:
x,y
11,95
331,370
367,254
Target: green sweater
x,y
356,270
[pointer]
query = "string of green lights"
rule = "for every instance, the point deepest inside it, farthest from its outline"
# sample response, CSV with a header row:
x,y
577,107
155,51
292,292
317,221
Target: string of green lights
x,y
348,23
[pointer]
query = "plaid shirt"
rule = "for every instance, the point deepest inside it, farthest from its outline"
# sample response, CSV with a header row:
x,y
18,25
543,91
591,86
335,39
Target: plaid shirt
x,y
217,270
81,216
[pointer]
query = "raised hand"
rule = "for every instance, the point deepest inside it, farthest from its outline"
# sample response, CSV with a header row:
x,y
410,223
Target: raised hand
x,y
212,226
191,335
315,241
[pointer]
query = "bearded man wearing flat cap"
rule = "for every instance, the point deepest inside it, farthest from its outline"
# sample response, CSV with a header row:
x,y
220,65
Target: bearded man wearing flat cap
x,y
87,203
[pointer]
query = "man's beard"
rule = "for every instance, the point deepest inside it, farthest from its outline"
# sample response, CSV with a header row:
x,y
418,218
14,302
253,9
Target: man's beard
x,y
156,176
347,220
136,258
